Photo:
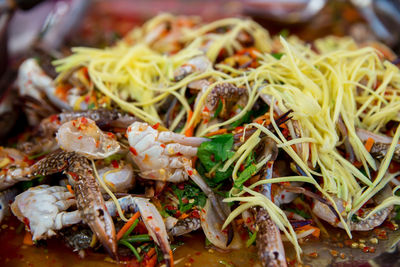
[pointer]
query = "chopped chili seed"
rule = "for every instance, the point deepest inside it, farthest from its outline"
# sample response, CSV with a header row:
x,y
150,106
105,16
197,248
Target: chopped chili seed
x,y
365,249
155,126
190,172
334,253
80,137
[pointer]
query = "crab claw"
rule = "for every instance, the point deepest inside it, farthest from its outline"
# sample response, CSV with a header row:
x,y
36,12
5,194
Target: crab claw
x,y
91,204
152,219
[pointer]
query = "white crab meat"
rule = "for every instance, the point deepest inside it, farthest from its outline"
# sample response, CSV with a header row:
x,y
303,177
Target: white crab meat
x,y
119,179
84,137
42,209
162,156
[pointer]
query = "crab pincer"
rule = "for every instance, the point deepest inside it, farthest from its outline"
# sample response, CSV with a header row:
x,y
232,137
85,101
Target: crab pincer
x,y
90,201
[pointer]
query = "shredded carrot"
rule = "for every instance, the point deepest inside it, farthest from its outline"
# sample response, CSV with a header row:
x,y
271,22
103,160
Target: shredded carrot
x,y
151,262
316,232
151,252
368,145
220,131
283,126
171,259
183,216
69,187
28,239
127,225
190,130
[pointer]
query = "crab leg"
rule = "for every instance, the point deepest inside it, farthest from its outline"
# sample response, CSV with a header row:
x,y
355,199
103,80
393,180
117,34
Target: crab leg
x,y
90,201
269,242
151,218
6,197
91,204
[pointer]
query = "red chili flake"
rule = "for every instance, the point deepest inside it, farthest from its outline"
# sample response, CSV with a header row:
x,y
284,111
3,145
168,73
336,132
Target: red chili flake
x,y
155,126
149,217
170,207
205,109
80,137
181,186
129,129
195,214
74,176
313,255
53,118
248,220
179,154
390,225
10,158
241,168
205,121
133,150
212,158
108,146
381,233
365,249
26,222
285,132
87,99
191,260
97,143
111,135
84,120
190,172
115,164
239,128
162,145
178,214
372,249
185,201
157,229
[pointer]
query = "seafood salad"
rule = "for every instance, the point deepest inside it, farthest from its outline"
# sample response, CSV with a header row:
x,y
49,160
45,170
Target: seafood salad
x,y
181,126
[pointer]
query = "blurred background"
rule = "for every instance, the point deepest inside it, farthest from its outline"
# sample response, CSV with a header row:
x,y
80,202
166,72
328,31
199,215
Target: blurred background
x,y
47,29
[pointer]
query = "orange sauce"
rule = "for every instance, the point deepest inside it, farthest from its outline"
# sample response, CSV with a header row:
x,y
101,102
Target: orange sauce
x,y
13,253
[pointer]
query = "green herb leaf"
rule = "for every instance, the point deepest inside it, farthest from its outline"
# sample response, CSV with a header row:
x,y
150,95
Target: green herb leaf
x,y
192,195
137,238
132,248
277,55
245,175
302,213
219,109
244,119
284,33
251,239
109,159
213,153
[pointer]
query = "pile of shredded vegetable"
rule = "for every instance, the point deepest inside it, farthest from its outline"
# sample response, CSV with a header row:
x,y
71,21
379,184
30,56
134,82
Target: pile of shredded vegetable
x,y
333,79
